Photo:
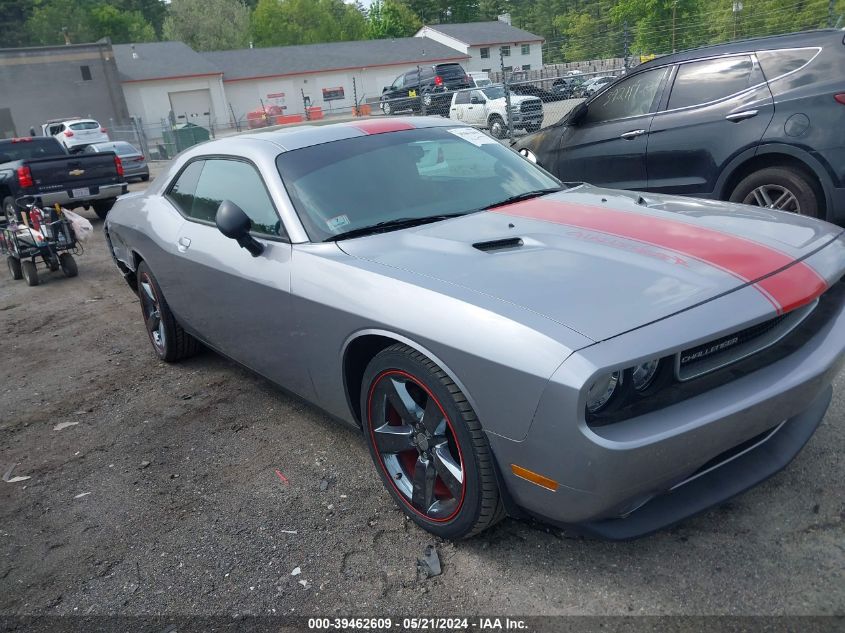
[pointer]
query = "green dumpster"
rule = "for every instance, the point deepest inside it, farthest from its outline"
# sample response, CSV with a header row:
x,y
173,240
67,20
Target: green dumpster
x,y
184,135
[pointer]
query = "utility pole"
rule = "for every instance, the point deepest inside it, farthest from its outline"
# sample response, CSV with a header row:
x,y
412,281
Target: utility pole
x,y
507,94
674,9
737,7
626,60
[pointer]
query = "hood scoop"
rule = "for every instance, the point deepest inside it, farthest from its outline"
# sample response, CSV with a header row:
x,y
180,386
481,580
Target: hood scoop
x,y
492,246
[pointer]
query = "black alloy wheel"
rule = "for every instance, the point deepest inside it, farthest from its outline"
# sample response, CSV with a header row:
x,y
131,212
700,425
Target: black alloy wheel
x,y
169,340
428,445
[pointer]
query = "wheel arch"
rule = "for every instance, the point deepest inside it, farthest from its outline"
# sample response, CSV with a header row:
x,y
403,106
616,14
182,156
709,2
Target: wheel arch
x,y
362,346
777,155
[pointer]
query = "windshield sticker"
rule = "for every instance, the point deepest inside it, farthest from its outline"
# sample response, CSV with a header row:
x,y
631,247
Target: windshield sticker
x,y
476,137
337,222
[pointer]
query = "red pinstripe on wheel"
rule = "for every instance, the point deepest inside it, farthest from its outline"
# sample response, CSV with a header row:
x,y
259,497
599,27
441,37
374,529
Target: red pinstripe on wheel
x,y
785,283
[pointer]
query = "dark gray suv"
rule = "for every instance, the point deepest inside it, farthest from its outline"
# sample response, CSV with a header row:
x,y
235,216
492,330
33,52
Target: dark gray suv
x,y
760,121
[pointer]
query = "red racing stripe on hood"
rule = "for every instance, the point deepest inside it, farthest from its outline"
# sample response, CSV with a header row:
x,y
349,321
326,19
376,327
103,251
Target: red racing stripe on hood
x,y
795,285
375,126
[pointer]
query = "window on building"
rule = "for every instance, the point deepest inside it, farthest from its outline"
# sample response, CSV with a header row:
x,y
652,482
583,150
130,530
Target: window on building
x,y
486,70
526,67
526,49
506,51
508,69
485,52
86,73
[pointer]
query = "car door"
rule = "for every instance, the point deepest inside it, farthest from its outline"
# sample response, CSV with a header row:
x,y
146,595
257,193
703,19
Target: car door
x,y
477,109
460,106
716,109
395,90
607,144
240,305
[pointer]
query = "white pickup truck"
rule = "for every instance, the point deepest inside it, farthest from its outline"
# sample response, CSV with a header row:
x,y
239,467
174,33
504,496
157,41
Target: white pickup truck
x,y
487,108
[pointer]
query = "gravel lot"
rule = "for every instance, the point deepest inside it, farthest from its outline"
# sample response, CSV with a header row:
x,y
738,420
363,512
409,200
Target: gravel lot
x,y
162,497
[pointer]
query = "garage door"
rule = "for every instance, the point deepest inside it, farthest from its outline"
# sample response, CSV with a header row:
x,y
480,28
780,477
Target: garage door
x,y
192,106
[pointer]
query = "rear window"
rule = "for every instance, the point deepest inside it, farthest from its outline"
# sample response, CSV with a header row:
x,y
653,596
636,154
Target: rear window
x,y
85,125
710,80
449,70
35,148
124,149
777,63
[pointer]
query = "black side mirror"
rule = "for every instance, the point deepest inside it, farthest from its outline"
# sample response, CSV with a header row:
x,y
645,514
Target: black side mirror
x,y
577,115
235,224
474,100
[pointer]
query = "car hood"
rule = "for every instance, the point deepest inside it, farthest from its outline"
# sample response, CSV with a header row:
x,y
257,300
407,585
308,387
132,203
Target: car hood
x,y
603,262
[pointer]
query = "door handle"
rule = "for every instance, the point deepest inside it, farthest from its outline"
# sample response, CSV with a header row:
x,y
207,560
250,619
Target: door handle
x,y
183,244
741,116
632,134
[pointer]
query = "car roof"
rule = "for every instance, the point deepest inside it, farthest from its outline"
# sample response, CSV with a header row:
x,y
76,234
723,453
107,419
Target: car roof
x,y
790,40
297,137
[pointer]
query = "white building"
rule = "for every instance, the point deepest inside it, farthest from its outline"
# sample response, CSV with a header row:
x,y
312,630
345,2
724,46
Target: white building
x,y
163,77
164,80
329,76
482,41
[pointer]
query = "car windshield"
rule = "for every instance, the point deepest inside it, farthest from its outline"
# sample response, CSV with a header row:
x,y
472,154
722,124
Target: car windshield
x,y
494,92
360,182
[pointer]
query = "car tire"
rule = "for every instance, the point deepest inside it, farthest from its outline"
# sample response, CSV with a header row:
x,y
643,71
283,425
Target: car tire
x,y
435,460
102,207
145,178
784,188
68,265
14,265
30,272
386,108
10,209
170,342
498,129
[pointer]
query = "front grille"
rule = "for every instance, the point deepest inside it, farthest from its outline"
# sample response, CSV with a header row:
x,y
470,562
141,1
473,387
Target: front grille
x,y
709,356
528,107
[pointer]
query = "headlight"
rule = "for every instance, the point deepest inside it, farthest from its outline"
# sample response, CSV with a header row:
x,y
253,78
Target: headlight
x,y
642,376
528,154
602,391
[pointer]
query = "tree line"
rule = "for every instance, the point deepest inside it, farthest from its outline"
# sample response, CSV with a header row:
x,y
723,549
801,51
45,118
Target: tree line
x,y
573,29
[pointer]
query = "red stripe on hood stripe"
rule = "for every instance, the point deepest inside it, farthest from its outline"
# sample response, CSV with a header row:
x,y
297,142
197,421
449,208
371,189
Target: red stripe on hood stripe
x,y
748,260
375,126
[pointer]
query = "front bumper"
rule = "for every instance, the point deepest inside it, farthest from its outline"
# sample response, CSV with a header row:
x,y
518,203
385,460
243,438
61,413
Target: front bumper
x,y
66,199
666,465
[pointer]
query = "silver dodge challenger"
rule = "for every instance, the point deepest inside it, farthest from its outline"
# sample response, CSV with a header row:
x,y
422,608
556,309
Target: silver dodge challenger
x,y
508,344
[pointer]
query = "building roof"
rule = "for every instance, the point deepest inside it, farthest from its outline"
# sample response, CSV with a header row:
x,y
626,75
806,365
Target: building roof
x,y
250,63
480,33
160,60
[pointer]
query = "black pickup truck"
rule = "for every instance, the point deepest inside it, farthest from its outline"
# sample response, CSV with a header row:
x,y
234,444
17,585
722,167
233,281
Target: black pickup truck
x,y
40,166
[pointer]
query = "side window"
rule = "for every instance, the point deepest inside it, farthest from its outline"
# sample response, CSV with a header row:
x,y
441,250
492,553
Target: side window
x,y
777,63
234,180
399,81
478,95
710,80
182,191
462,97
411,78
633,96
